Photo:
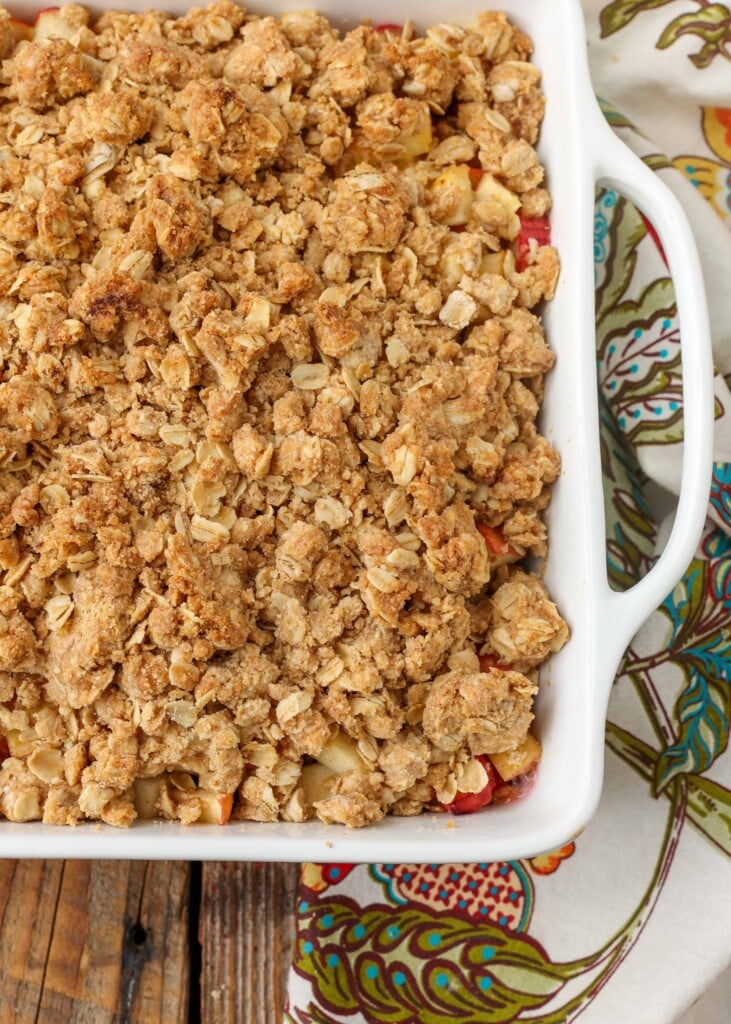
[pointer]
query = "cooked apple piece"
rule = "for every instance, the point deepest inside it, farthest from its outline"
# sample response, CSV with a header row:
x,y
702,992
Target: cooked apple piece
x,y
516,762
50,24
340,755
215,810
147,794
453,191
489,188
21,741
315,781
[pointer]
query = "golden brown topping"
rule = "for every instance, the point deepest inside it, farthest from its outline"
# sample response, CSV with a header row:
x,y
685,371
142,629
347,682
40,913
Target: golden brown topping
x,y
269,379
49,71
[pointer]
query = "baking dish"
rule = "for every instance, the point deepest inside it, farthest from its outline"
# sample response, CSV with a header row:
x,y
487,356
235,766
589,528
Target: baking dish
x,y
578,149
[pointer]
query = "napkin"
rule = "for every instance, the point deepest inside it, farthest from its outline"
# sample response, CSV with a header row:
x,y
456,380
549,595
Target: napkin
x,y
634,917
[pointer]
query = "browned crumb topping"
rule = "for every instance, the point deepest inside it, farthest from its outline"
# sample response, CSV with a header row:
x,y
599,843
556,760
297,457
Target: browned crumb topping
x,y
266,363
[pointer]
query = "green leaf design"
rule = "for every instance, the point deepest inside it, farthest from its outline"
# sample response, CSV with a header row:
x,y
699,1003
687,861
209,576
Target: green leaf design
x,y
710,23
658,162
434,966
657,300
686,603
615,117
629,525
703,715
626,231
706,54
620,13
709,804
709,809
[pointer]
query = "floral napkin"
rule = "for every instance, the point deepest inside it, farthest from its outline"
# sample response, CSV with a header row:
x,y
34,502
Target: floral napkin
x,y
633,919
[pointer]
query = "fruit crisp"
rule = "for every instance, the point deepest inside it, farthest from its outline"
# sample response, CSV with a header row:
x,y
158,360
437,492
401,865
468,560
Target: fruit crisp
x,y
269,377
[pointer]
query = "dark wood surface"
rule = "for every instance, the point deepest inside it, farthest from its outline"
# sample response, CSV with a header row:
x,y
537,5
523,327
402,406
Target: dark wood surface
x,y
124,942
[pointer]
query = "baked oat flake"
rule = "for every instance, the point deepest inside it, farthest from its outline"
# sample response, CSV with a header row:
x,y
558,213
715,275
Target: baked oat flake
x,y
270,368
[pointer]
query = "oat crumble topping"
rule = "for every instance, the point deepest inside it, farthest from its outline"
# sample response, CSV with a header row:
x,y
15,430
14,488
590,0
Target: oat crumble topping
x,y
269,377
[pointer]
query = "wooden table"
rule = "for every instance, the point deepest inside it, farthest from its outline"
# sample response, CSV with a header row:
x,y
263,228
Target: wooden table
x,y
124,942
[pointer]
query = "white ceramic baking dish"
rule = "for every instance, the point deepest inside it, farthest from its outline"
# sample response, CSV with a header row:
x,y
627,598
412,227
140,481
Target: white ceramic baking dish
x,y
578,150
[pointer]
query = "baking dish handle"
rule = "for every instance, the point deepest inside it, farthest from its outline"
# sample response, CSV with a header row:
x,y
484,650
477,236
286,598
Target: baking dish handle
x,y
619,168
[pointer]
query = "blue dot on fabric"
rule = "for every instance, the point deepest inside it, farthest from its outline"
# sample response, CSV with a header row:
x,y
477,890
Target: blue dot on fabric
x,y
622,422
389,867
494,890
434,939
637,333
612,385
612,349
392,931
482,867
454,877
504,869
513,896
485,984
303,906
371,971
333,959
424,886
634,368
334,873
407,876
462,904
689,169
663,353
503,919
472,884
483,910
442,980
673,406
359,931
443,894
399,978
307,948
488,952
695,183
666,325
636,413
327,921
434,866
657,410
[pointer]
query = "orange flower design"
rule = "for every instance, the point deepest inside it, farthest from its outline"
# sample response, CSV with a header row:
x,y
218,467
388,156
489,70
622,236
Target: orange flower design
x,y
547,863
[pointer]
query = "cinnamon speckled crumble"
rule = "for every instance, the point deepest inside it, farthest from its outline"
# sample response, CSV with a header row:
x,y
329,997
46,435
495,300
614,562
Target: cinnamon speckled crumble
x,y
269,378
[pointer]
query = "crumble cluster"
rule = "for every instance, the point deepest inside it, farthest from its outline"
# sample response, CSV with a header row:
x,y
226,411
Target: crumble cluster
x,y
266,362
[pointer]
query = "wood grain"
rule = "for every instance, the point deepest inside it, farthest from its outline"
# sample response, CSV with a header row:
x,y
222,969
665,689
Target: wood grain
x,y
246,928
94,942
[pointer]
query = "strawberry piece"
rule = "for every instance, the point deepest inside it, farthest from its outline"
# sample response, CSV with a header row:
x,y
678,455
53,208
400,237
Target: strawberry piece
x,y
4,749
488,661
500,549
468,803
538,228
516,789
388,26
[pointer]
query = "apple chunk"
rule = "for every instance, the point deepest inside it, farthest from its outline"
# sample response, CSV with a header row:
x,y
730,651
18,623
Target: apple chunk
x,y
51,24
215,810
520,761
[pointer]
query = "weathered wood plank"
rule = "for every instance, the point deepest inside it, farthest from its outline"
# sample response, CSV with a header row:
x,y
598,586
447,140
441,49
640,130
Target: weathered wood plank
x,y
94,942
28,896
246,929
